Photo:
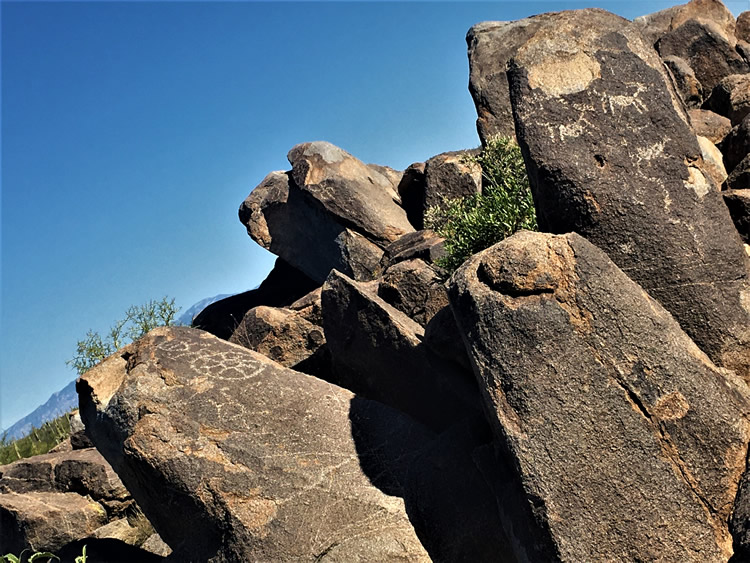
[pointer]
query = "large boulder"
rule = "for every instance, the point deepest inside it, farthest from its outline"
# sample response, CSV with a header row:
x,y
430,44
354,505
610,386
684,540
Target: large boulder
x,y
742,30
46,521
411,192
378,353
281,217
641,192
739,179
259,462
283,285
738,202
356,194
654,26
451,175
626,442
286,337
423,245
731,97
414,288
706,48
736,145
686,83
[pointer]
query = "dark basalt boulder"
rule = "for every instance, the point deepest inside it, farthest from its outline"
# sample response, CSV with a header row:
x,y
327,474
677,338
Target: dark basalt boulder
x,y
411,191
742,29
710,125
736,145
283,285
423,245
414,288
731,97
260,462
625,442
706,48
378,353
687,84
642,193
738,202
451,175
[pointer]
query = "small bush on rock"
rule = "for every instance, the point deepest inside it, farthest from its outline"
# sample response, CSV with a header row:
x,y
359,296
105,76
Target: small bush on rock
x,y
471,224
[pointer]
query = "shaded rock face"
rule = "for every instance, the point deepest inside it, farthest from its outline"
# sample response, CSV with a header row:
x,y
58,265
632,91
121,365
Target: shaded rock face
x,y
423,245
706,48
285,337
46,521
283,285
739,179
738,202
736,145
731,97
280,217
414,288
411,192
687,84
742,30
179,415
378,353
639,192
626,441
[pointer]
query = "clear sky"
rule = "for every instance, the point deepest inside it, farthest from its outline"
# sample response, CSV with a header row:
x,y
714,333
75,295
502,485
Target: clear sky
x,y
131,133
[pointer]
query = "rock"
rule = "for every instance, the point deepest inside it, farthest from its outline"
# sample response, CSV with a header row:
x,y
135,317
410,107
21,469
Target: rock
x,y
705,47
742,29
491,45
731,97
283,285
449,176
654,26
78,438
642,192
378,354
309,307
285,337
736,145
424,245
713,11
710,125
411,191
107,550
281,217
414,288
261,463
356,194
743,49
738,202
627,442
686,83
739,179
46,521
119,529
154,544
713,162
442,337
84,472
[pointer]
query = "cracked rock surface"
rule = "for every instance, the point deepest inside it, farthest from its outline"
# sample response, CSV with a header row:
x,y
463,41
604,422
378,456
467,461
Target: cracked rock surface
x,y
627,442
641,191
261,463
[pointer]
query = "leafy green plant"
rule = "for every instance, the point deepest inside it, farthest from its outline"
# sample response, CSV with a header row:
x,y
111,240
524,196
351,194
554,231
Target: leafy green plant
x,y
36,556
139,319
471,224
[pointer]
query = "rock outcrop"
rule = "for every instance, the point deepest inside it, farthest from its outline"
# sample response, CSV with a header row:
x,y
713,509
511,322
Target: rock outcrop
x,y
627,443
641,192
209,428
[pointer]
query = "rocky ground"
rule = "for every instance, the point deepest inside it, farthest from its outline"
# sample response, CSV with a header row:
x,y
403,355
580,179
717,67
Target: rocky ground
x,y
576,394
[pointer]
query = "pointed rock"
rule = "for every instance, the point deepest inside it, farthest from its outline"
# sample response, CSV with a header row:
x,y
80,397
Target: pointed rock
x,y
640,192
627,443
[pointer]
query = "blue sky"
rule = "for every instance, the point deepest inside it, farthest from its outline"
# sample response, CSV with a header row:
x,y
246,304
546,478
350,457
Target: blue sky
x,y
131,133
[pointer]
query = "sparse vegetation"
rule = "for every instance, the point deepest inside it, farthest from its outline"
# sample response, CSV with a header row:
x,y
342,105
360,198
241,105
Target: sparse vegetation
x,y
38,441
473,223
139,319
38,556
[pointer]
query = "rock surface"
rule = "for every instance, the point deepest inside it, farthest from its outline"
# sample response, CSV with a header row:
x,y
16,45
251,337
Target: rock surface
x,y
627,443
262,463
639,192
739,179
738,202
414,288
731,97
46,521
687,84
424,245
710,125
283,285
280,217
378,353
736,145
450,175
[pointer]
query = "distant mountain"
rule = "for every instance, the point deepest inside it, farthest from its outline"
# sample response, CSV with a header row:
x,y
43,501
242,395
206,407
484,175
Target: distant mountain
x,y
187,317
58,404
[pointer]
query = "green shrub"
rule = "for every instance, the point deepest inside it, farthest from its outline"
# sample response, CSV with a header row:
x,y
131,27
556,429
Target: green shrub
x,y
476,222
38,441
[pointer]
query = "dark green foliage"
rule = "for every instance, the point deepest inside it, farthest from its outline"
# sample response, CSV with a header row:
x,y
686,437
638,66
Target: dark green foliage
x,y
476,222
38,441
138,321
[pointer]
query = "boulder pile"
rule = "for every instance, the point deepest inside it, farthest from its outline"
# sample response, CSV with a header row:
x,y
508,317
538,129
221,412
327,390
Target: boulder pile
x,y
576,394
